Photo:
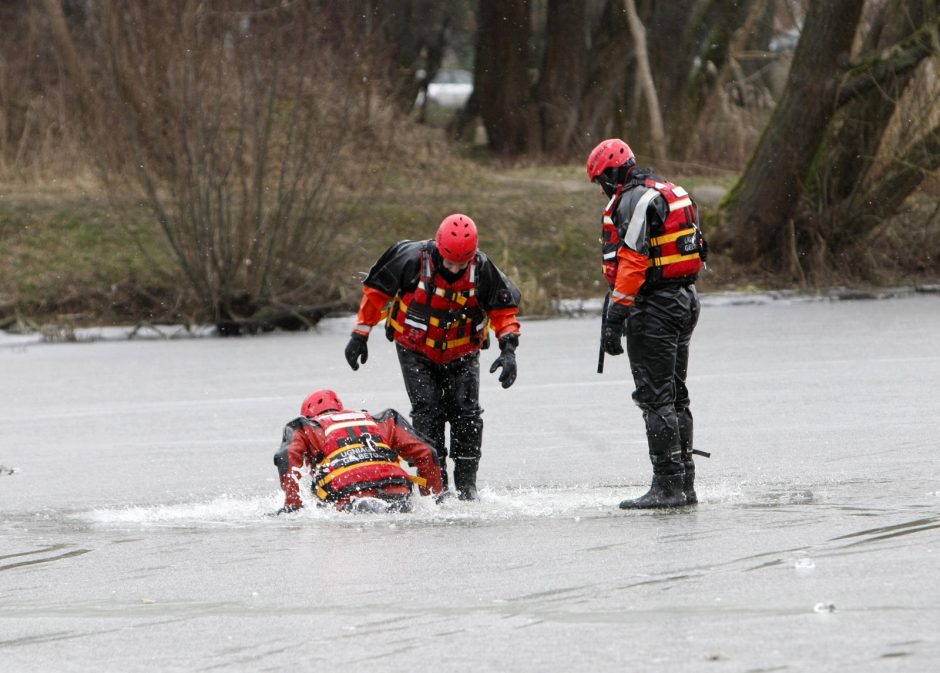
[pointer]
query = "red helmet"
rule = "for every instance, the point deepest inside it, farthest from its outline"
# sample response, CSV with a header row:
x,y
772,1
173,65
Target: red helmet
x,y
457,238
320,401
611,153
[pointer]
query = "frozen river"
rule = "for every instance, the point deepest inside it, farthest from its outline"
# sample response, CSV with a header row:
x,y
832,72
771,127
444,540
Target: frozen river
x,y
136,476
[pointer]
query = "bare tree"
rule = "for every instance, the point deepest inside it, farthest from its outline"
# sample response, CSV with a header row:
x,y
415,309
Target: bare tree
x,y
767,194
236,124
563,75
646,86
826,171
502,90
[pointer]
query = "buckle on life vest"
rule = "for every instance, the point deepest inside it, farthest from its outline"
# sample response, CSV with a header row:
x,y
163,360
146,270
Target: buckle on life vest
x,y
418,316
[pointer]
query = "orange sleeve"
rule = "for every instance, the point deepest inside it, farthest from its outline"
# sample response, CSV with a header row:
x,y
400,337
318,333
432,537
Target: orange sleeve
x,y
416,452
504,321
371,310
631,274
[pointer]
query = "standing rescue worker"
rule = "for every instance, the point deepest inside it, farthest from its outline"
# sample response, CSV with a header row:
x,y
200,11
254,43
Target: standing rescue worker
x,y
354,458
653,251
440,297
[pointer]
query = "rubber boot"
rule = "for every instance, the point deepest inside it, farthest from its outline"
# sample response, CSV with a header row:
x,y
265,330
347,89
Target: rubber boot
x,y
688,483
665,491
465,478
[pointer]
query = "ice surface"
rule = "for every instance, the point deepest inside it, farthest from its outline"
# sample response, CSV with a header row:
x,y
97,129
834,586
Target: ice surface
x,y
136,479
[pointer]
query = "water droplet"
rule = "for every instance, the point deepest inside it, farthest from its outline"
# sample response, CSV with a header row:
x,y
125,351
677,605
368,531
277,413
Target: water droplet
x,y
804,565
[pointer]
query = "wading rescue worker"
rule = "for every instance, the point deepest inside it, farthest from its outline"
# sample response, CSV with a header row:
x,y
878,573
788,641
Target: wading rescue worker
x,y
653,251
354,458
442,295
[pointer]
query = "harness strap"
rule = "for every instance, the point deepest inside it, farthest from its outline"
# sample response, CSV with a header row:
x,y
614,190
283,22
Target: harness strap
x,y
669,238
671,259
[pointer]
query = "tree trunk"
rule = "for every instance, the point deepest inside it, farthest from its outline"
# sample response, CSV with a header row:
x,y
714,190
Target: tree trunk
x,y
861,123
647,87
867,209
609,60
501,77
708,41
562,76
765,198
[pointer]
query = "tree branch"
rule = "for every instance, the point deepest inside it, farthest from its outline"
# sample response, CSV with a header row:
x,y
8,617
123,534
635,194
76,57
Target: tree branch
x,y
899,60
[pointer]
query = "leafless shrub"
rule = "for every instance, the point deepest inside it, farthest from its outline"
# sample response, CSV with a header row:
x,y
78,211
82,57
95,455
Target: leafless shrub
x,y
239,123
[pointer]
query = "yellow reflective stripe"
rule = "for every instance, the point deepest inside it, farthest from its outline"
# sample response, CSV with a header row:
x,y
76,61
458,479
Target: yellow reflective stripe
x,y
349,424
671,259
414,479
351,446
343,470
395,325
669,238
447,342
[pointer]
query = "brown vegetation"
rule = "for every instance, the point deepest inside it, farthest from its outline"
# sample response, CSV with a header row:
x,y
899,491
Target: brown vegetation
x,y
240,161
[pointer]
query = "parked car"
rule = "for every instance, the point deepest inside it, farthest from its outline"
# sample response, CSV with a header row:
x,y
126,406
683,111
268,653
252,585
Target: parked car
x,y
449,88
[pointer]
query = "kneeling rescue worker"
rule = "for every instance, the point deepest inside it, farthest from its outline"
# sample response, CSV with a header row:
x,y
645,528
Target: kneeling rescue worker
x,y
354,458
442,296
653,252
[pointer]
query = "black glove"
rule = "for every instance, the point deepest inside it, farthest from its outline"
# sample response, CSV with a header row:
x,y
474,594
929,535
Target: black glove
x,y
506,359
613,328
357,350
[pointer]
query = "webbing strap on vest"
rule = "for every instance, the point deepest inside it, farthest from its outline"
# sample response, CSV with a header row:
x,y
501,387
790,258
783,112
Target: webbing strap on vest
x,y
349,447
668,238
671,259
327,478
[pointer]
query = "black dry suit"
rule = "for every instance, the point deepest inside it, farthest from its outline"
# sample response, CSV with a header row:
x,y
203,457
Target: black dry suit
x,y
448,392
659,330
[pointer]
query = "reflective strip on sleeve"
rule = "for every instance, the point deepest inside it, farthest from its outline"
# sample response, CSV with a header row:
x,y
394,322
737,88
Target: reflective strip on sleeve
x,y
635,236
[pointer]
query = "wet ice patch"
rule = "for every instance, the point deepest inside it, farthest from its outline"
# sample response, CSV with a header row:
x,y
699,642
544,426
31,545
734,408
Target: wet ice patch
x,y
224,510
804,565
495,504
543,501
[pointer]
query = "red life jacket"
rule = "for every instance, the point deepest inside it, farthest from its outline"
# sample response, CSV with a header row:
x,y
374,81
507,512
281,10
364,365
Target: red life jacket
x,y
438,319
356,458
676,249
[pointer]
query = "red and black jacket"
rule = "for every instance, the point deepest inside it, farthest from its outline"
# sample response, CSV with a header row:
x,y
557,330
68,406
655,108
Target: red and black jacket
x,y
432,312
351,453
651,237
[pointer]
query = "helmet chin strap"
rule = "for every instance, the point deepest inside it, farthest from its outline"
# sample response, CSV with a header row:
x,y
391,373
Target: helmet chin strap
x,y
611,190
